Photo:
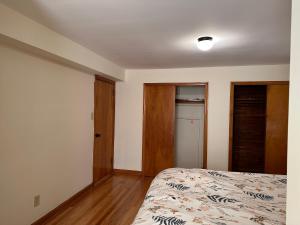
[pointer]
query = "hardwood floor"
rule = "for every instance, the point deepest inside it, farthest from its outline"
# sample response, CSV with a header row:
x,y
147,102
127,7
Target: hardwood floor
x,y
113,202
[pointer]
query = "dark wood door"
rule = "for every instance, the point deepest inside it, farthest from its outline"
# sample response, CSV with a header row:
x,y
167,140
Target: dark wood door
x,y
104,129
276,129
249,128
158,128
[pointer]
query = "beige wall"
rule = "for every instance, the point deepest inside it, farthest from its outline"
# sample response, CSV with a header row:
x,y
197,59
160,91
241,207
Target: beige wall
x,y
46,134
40,38
129,107
293,195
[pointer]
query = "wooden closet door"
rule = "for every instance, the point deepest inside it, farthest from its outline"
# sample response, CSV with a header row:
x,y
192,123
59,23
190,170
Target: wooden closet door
x,y
249,128
158,129
104,129
276,129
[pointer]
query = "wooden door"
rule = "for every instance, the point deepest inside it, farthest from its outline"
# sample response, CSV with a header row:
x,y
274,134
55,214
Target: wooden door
x,y
249,128
158,128
104,129
276,129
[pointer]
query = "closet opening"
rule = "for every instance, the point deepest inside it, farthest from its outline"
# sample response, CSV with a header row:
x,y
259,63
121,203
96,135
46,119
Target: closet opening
x,y
174,126
189,126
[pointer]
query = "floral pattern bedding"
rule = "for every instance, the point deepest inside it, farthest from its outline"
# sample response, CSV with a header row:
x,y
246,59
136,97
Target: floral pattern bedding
x,y
196,196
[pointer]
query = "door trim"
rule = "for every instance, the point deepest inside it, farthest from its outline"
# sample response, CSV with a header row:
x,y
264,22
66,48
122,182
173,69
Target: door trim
x,y
231,109
205,84
104,79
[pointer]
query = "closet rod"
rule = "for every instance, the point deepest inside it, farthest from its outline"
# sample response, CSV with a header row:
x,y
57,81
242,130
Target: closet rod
x,y
187,101
181,118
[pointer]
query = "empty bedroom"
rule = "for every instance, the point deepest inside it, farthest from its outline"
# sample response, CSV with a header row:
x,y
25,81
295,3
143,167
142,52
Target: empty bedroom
x,y
139,112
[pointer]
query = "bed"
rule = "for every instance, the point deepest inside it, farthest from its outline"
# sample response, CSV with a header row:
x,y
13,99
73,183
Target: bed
x,y
196,196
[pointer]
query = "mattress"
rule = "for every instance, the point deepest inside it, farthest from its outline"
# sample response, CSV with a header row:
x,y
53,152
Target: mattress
x,y
196,196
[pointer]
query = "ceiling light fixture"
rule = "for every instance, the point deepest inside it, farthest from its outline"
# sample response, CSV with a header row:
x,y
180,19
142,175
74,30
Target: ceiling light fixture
x,y
205,43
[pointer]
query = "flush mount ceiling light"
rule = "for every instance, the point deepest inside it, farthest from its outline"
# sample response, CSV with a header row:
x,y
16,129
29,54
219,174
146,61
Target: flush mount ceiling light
x,y
205,43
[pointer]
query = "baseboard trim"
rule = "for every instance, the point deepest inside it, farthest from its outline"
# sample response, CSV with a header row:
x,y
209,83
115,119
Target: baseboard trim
x,y
63,205
127,172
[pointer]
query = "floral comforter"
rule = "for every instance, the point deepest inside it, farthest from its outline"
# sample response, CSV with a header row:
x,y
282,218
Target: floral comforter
x,y
195,196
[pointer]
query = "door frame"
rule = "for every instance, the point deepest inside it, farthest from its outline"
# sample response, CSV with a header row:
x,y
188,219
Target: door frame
x,y
189,84
104,79
231,109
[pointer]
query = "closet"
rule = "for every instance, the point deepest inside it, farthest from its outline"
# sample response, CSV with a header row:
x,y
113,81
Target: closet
x,y
174,126
258,127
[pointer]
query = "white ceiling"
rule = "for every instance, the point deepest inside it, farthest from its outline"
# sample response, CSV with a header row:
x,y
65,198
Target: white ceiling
x,y
162,33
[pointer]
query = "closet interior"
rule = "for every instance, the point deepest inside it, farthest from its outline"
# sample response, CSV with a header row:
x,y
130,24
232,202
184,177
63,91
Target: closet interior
x,y
189,126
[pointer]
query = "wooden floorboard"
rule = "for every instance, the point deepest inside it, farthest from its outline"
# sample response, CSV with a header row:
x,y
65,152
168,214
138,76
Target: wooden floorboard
x,y
113,202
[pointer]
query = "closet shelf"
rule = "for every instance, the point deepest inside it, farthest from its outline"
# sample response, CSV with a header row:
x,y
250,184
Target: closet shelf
x,y
188,101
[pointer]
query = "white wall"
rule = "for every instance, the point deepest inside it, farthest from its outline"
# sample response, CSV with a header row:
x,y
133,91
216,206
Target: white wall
x,y
293,190
46,134
129,107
